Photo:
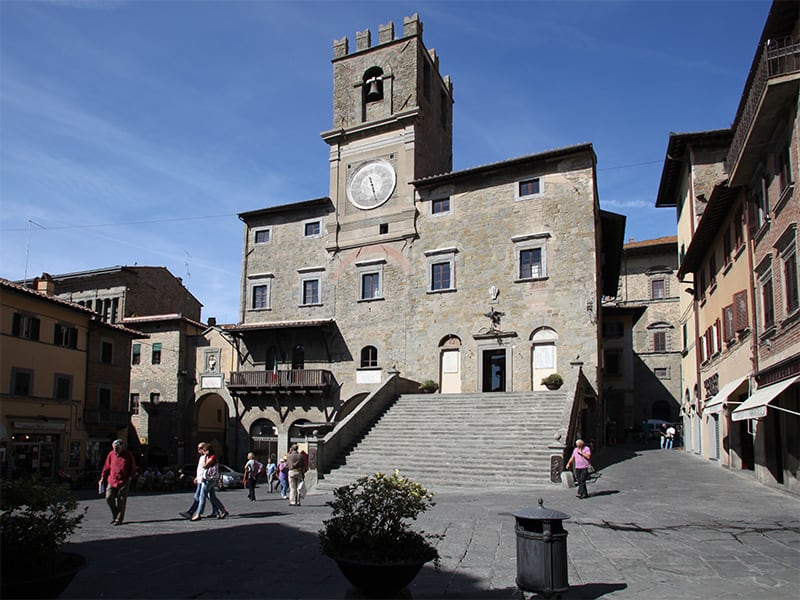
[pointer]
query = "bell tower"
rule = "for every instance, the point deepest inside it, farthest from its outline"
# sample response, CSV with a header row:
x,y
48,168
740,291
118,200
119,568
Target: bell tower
x,y
392,124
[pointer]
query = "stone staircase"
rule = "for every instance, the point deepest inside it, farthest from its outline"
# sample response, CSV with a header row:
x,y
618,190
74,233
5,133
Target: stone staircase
x,y
458,440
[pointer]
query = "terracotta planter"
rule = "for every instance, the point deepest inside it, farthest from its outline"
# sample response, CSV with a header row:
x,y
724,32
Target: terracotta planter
x,y
552,386
379,580
48,583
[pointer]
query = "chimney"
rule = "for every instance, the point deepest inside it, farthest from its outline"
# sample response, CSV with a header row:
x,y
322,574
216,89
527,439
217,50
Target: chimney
x,y
212,321
45,284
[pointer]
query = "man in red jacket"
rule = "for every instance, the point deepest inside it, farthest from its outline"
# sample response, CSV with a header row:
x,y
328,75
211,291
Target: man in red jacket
x,y
117,471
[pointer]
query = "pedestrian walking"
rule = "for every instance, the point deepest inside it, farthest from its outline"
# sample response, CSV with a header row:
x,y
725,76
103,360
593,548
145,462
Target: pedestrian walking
x,y
210,477
670,433
272,473
252,468
283,477
198,481
580,458
118,469
297,470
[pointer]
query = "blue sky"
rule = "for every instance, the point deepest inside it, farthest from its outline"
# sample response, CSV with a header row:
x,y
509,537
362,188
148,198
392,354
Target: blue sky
x,y
135,132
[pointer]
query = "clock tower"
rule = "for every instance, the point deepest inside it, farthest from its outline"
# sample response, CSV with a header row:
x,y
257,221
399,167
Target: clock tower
x,y
392,118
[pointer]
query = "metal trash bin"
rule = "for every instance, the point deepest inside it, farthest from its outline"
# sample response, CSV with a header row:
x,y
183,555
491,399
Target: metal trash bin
x,y
541,550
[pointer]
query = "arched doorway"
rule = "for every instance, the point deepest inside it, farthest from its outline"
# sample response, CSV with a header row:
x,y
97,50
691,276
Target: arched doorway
x,y
544,359
450,365
263,440
212,426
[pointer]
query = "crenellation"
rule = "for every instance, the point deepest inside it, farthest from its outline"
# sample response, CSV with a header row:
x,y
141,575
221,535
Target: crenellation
x,y
363,40
386,33
341,47
412,26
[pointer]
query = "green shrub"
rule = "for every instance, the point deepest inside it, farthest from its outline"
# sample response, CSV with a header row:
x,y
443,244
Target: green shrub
x,y
36,517
371,521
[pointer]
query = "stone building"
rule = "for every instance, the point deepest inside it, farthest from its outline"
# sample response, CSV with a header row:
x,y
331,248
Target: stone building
x,y
734,191
483,280
63,383
642,338
162,369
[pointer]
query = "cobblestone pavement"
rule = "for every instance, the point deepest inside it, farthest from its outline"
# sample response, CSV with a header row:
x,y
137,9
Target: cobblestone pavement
x,y
658,524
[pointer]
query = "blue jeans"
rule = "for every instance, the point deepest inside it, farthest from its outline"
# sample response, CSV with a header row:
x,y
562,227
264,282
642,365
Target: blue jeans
x,y
209,490
285,486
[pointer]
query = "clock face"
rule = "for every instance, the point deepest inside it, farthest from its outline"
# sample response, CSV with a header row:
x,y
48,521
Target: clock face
x,y
371,184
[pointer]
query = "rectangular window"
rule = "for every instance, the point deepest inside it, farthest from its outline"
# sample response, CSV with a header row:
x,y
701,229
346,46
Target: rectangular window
x,y
728,329
104,398
658,289
759,202
155,398
727,248
740,311
790,292
613,362
783,167
134,408
661,372
440,276
701,289
261,236
311,229
529,187
106,352
155,356
440,206
659,341
685,337
767,301
260,296
136,354
65,336
716,332
613,329
311,291
21,382
63,387
738,228
25,326
370,286
712,269
530,263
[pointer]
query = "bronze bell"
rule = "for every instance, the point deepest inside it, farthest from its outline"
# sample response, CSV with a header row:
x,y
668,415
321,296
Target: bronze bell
x,y
374,90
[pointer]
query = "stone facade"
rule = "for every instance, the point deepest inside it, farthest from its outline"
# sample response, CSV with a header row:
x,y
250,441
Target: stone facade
x,y
485,280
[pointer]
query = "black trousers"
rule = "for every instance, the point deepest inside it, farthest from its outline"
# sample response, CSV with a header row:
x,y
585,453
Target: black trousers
x,y
582,475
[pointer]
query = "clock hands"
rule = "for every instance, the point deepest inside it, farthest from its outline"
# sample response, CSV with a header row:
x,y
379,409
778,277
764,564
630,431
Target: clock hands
x,y
372,186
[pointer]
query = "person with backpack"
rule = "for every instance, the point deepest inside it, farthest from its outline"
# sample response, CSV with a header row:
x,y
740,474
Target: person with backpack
x,y
252,469
209,479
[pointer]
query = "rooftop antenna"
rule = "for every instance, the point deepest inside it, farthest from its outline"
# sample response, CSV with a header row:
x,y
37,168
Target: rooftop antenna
x,y
188,256
28,249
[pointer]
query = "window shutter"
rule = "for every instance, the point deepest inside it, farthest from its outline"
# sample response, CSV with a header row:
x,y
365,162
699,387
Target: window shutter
x,y
740,311
16,327
34,328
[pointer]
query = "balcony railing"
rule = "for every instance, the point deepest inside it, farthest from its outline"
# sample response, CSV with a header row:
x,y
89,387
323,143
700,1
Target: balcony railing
x,y
270,381
779,58
116,418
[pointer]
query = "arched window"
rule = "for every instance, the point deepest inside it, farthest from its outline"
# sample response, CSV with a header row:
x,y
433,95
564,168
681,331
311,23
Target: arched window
x,y
263,439
296,434
373,84
369,356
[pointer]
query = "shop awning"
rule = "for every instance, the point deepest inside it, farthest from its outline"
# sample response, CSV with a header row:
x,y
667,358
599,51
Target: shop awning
x,y
755,406
715,405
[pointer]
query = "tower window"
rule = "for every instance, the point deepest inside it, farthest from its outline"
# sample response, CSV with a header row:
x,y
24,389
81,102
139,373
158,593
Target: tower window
x,y
373,85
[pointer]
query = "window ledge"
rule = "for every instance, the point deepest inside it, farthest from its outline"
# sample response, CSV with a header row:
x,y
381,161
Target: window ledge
x,y
791,318
447,291
310,305
530,279
376,299
369,368
787,193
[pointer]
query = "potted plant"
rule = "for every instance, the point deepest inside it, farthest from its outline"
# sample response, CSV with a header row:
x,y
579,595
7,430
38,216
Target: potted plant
x,y
553,381
36,517
369,533
428,386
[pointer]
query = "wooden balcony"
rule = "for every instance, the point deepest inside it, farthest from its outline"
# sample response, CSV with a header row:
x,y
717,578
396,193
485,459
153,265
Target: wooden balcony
x,y
295,380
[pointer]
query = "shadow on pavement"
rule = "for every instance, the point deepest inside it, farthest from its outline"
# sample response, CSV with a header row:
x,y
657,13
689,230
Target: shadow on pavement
x,y
587,591
279,562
